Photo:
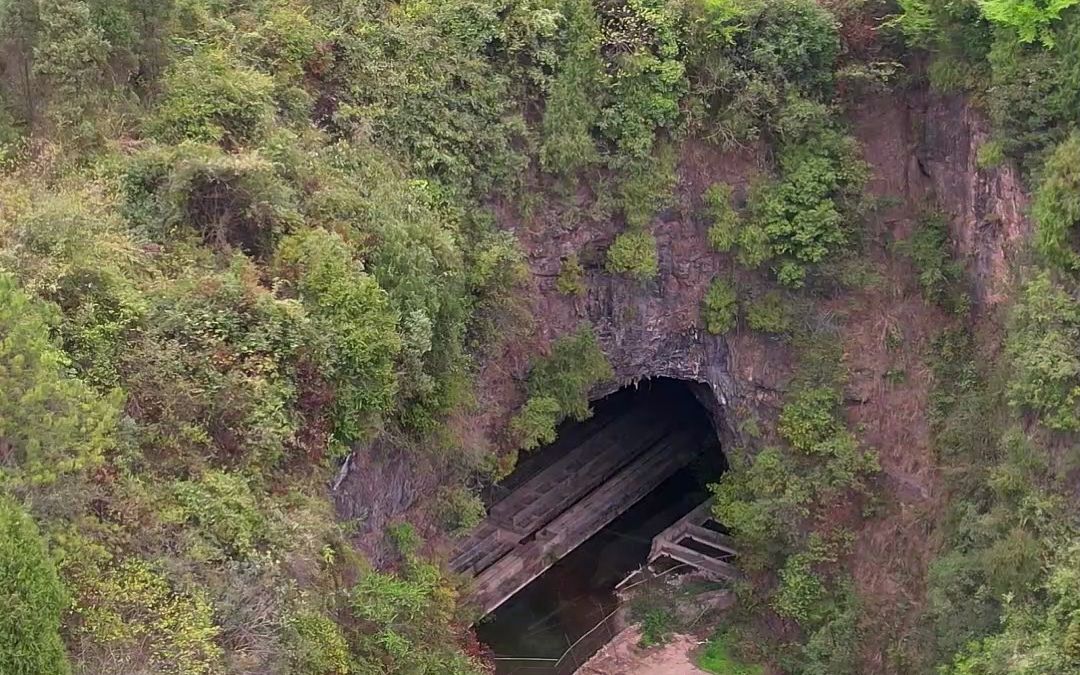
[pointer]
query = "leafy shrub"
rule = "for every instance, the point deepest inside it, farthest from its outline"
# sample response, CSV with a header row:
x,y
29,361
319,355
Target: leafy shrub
x,y
404,538
419,84
288,42
559,386
68,250
748,57
235,199
211,98
940,274
228,347
129,604
404,623
463,271
1057,206
770,313
833,646
719,307
535,423
34,599
70,58
224,510
1043,346
810,418
648,79
317,645
762,501
1030,20
1044,632
758,499
460,510
655,627
802,593
990,155
647,187
798,220
359,342
1035,91
633,254
802,217
570,280
52,424
722,217
957,34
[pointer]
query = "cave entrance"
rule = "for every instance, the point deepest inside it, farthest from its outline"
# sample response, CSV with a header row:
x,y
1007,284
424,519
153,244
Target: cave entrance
x,y
576,517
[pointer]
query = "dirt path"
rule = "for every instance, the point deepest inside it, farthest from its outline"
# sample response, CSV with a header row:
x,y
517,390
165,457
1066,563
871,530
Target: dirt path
x,y
622,656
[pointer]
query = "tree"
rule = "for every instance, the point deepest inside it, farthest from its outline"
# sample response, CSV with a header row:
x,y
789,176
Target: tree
x,y
356,322
1030,19
211,97
50,423
633,253
1057,206
70,57
719,307
32,599
19,27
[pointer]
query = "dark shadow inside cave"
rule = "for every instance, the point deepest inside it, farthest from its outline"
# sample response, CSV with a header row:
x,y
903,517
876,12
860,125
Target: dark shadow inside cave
x,y
534,627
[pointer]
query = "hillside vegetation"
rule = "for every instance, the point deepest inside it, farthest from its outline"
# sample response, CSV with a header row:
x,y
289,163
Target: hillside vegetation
x,y
240,238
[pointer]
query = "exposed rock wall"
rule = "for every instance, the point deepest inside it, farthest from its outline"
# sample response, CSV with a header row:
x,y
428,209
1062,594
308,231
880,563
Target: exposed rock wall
x,y
988,206
922,150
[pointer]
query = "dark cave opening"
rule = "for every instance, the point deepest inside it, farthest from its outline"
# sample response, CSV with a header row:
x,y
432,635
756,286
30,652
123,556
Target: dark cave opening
x,y
532,629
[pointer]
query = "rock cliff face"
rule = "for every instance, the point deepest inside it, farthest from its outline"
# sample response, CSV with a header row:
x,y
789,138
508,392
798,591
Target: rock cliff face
x,y
988,207
921,149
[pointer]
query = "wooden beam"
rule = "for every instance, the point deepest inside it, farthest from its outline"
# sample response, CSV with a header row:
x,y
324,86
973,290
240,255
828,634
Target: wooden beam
x,y
514,571
716,540
702,561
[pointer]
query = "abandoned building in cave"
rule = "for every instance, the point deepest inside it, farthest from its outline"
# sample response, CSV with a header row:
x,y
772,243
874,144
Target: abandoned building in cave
x,y
624,488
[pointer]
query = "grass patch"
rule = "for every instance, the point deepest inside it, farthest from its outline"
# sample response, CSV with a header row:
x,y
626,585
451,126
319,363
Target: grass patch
x,y
718,657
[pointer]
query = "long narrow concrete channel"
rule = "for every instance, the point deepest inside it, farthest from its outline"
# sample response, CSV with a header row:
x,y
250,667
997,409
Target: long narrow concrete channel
x,y
613,466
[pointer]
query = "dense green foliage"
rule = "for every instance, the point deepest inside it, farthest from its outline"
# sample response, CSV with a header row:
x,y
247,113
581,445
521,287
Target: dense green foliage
x,y
1001,592
232,246
806,216
634,254
33,599
240,240
719,307
559,387
51,424
1043,346
1057,206
940,274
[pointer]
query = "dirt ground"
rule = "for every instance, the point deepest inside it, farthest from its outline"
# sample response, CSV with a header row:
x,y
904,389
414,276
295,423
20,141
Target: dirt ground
x,y
622,656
